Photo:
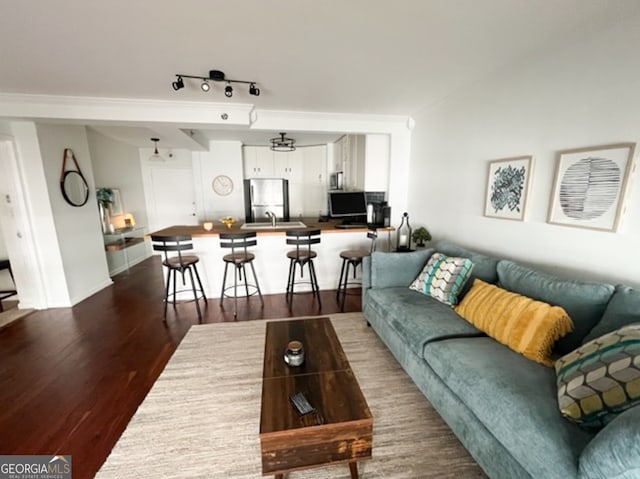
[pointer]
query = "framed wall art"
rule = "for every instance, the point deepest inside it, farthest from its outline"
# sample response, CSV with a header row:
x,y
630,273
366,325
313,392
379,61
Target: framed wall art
x,y
508,187
590,186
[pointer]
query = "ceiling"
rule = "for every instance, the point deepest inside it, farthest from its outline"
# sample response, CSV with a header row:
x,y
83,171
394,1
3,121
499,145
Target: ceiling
x,y
356,56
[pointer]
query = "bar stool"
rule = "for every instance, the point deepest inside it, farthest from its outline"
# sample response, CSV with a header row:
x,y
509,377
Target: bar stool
x,y
352,257
239,257
302,255
7,293
179,264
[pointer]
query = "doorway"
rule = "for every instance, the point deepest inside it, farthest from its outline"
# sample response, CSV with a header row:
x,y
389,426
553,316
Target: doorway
x,y
8,290
17,249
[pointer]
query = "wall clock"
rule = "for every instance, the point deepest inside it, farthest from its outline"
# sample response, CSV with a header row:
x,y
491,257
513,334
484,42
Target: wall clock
x,y
222,185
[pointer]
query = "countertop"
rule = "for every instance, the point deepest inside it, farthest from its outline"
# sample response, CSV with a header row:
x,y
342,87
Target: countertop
x,y
312,223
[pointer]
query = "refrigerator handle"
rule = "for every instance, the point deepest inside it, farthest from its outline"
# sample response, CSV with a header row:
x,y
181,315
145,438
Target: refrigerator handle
x,y
251,193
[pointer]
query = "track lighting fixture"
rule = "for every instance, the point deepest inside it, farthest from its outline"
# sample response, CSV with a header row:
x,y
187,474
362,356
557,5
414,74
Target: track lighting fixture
x,y
282,143
218,76
156,156
178,84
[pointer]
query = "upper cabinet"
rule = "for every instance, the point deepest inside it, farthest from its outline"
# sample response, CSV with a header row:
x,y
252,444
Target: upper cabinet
x,y
258,162
289,165
363,160
349,157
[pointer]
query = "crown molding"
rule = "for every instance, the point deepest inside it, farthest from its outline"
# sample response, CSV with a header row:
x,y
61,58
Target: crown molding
x,y
25,106
326,121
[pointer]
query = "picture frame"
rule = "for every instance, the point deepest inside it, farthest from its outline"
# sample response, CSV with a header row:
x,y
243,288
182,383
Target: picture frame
x,y
590,186
508,184
117,207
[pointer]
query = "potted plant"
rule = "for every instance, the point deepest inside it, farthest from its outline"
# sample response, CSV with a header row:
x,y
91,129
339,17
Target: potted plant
x,y
420,235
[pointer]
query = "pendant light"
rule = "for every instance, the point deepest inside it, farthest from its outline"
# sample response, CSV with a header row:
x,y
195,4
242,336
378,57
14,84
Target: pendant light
x,y
156,156
282,143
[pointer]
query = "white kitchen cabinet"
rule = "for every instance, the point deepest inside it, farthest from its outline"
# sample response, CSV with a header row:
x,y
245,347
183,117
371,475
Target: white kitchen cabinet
x,y
258,162
340,153
315,180
350,157
289,165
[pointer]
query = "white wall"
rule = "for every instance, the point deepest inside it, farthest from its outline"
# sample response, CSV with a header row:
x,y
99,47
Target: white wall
x,y
117,165
583,94
36,257
77,228
376,171
223,158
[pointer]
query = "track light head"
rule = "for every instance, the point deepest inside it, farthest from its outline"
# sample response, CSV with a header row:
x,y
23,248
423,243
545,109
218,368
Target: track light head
x,y
253,90
204,86
178,84
228,90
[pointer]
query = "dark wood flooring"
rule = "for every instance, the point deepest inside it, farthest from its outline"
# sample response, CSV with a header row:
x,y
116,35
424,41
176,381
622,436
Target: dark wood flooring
x,y
72,378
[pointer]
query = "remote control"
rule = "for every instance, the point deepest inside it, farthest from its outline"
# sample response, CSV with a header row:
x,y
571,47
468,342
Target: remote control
x,y
301,404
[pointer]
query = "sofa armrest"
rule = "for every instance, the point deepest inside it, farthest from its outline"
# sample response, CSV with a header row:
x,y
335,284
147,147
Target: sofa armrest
x,y
615,451
388,270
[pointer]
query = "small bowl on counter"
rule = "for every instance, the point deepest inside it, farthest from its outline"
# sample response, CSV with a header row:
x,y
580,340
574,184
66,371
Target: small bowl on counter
x,y
228,221
207,225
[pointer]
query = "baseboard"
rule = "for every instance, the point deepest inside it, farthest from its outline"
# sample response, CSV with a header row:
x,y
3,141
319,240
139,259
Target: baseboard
x,y
76,299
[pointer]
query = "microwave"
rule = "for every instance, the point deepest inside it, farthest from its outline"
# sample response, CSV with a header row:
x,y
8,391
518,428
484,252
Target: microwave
x,y
336,181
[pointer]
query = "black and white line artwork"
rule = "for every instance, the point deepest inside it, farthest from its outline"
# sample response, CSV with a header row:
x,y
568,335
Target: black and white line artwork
x,y
590,186
507,187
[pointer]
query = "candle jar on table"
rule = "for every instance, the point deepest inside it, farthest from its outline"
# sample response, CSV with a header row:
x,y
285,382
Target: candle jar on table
x,y
404,234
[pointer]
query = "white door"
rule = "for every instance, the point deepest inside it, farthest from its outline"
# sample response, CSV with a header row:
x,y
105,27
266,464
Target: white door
x,y
173,197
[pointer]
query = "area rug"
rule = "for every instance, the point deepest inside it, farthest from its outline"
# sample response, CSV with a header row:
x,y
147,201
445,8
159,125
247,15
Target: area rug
x,y
201,418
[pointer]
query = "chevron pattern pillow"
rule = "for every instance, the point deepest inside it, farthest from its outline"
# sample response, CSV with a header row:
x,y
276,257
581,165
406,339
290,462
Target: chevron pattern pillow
x,y
601,378
443,277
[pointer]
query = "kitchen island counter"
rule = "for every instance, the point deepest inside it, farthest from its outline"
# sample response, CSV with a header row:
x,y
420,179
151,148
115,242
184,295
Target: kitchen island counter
x,y
271,263
199,231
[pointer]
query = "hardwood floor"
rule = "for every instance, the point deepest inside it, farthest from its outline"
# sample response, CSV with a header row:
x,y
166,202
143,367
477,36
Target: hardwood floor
x,y
72,378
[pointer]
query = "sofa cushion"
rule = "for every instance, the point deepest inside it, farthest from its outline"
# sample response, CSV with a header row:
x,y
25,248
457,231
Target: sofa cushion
x,y
515,399
417,318
585,302
601,378
397,269
443,277
484,267
529,327
615,451
623,309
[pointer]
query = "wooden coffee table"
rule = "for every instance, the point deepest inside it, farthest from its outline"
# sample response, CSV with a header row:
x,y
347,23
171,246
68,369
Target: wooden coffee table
x,y
342,428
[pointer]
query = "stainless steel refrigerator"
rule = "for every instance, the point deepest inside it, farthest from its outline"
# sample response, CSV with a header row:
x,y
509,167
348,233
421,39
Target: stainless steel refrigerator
x,y
266,194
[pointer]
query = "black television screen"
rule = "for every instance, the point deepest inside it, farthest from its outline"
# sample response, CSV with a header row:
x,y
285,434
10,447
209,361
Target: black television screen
x,y
347,203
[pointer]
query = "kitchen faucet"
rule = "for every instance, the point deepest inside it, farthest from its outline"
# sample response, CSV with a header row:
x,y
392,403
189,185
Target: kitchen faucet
x,y
272,216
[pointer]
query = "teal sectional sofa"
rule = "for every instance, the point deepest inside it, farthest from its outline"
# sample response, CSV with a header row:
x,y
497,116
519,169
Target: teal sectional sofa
x,y
502,406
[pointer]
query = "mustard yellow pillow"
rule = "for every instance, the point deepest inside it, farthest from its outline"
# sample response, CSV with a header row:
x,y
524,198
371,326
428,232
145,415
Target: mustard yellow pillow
x,y
527,326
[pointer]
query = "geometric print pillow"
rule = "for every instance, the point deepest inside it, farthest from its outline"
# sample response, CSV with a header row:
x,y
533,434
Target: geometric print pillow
x,y
443,277
601,378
